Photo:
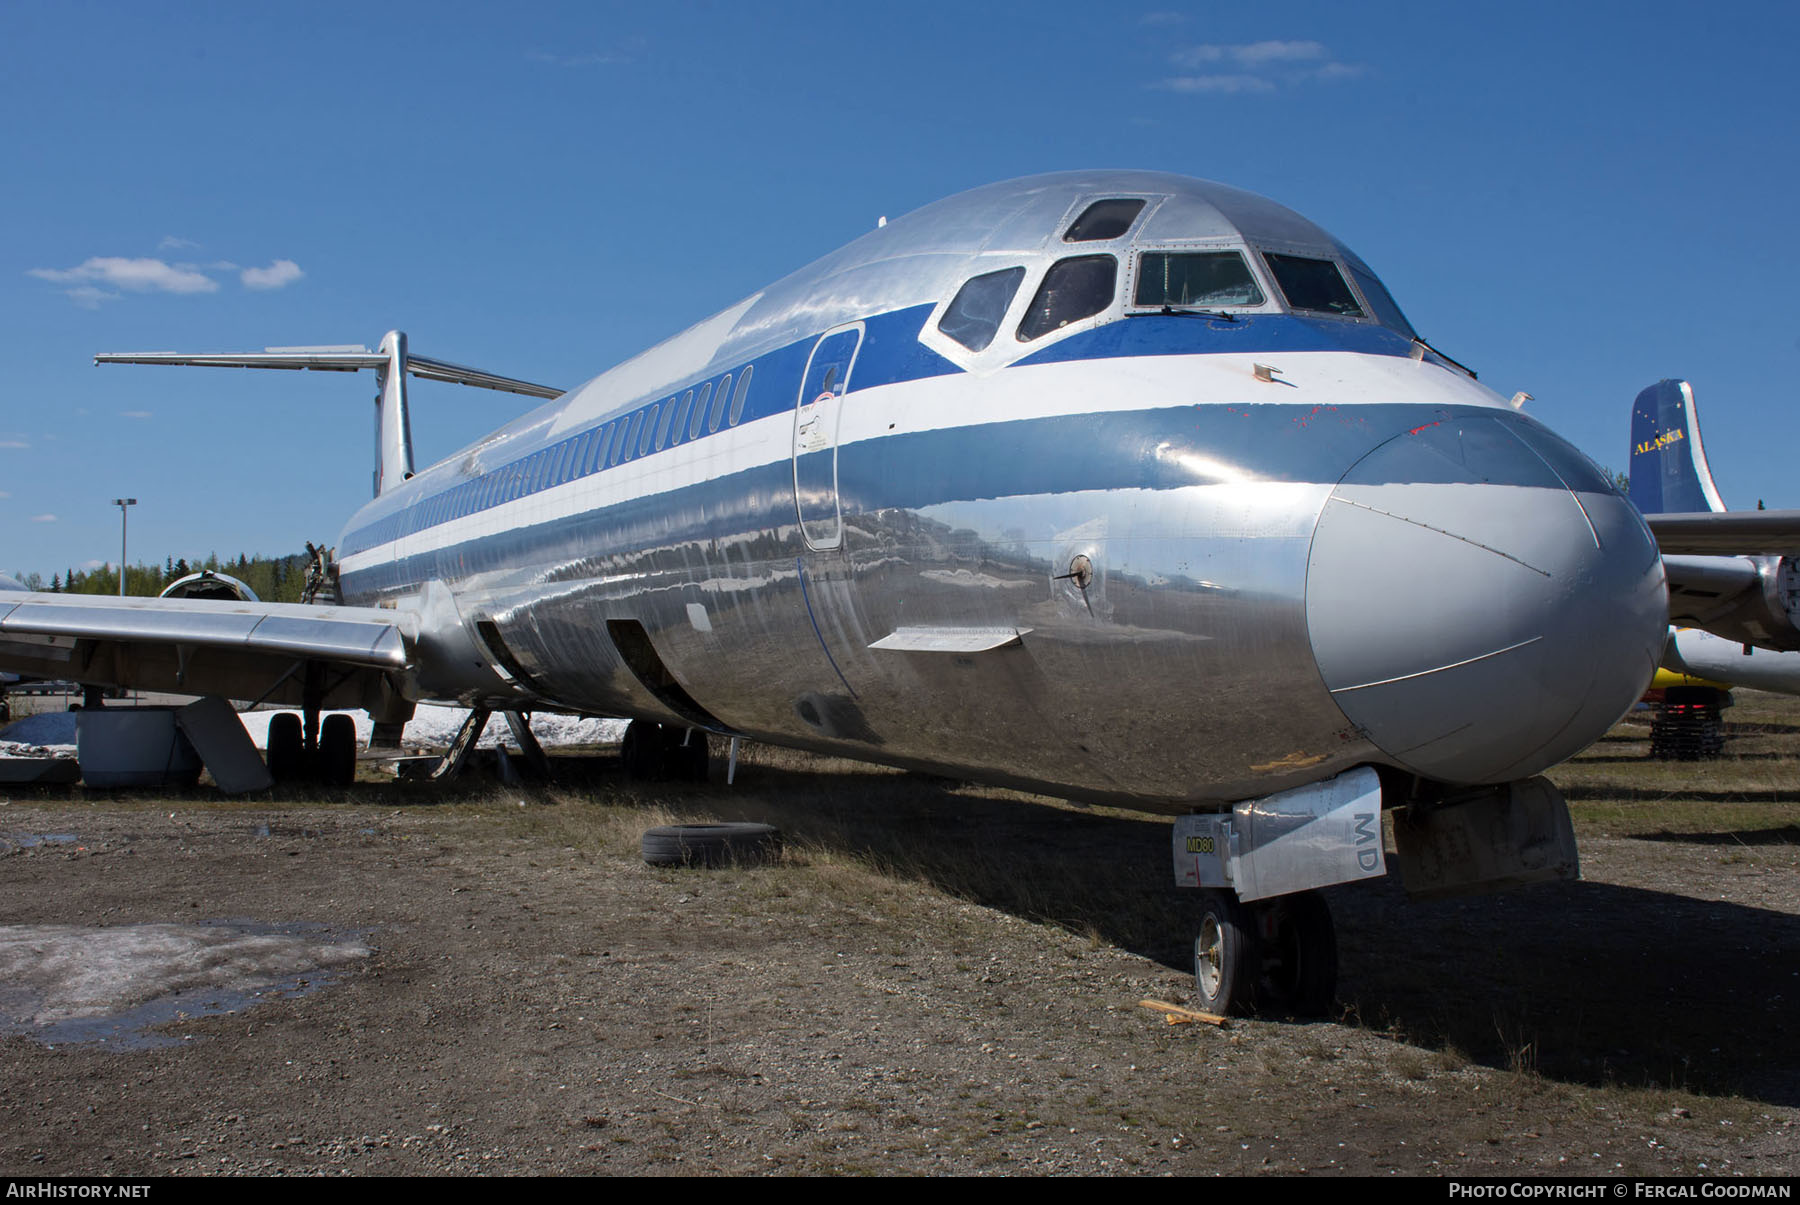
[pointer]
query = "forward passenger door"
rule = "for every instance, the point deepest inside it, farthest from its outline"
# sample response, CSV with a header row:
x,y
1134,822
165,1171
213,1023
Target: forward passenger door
x,y
816,414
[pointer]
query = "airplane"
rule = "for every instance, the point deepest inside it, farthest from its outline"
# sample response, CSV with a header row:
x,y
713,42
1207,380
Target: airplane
x,y
1732,618
1118,486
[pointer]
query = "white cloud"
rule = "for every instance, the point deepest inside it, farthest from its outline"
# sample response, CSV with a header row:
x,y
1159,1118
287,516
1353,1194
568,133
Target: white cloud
x,y
13,443
93,564
1256,53
1216,83
137,275
1261,66
1338,71
43,518
1249,54
281,273
171,243
89,298
4,494
134,414
629,51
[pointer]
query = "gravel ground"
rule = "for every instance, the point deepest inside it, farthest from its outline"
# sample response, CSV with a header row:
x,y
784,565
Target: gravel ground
x,y
370,984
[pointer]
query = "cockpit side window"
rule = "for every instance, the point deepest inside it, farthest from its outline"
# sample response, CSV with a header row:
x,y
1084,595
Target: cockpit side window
x,y
1200,278
1382,302
975,312
1073,289
1313,284
1104,220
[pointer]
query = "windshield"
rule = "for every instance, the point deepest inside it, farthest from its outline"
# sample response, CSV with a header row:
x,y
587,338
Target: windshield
x,y
1202,278
1313,284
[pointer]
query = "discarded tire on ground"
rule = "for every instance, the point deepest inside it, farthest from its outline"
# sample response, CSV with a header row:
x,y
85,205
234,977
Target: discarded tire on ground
x,y
710,844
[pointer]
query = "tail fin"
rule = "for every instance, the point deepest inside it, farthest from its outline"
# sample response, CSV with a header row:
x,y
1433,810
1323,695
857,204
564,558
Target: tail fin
x,y
1669,473
393,427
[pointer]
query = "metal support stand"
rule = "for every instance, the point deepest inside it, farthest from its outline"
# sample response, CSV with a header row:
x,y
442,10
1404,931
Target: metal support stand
x,y
312,701
529,749
457,755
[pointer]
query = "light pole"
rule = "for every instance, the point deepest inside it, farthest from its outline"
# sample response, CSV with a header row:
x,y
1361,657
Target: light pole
x,y
122,503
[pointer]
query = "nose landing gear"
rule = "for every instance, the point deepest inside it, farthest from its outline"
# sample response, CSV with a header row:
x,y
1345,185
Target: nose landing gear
x,y
1281,952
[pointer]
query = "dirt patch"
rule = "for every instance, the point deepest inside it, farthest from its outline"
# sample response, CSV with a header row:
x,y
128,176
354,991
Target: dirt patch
x,y
935,978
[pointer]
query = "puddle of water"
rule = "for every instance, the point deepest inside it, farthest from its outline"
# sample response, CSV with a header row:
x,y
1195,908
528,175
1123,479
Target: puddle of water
x,y
28,840
112,985
265,831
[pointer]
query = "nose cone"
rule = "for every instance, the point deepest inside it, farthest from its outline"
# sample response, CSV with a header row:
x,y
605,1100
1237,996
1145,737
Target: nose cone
x,y
1481,602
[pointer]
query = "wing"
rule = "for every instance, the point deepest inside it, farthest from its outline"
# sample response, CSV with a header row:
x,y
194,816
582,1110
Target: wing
x,y
1728,533
351,656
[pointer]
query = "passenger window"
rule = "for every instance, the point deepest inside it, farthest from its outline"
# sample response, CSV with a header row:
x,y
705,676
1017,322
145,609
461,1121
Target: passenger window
x,y
698,419
1205,278
975,313
662,428
719,400
1313,284
629,442
1073,289
678,428
743,391
1104,220
646,430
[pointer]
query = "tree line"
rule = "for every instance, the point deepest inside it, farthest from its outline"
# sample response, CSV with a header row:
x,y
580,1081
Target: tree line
x,y
274,579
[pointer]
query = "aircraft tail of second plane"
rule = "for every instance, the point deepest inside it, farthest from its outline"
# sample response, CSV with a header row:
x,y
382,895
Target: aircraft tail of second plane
x,y
1669,473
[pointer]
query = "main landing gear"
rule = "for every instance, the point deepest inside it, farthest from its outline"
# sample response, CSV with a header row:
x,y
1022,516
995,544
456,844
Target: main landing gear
x,y
664,752
1281,952
329,758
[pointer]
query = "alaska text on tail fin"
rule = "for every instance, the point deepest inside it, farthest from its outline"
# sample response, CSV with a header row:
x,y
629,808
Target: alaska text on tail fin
x,y
1669,473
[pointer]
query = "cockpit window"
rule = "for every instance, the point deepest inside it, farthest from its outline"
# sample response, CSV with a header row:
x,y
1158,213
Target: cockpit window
x,y
975,312
1313,284
1203,278
1104,220
1073,289
1382,302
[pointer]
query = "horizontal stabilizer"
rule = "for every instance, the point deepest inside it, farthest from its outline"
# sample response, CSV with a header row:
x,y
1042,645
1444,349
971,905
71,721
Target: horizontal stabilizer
x,y
335,359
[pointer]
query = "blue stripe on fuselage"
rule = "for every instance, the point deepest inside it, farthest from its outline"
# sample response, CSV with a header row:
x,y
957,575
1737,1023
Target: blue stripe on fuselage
x,y
891,353
1246,334
1158,449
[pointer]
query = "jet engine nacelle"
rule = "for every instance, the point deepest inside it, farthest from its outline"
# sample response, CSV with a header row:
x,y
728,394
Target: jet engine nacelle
x,y
207,584
1749,600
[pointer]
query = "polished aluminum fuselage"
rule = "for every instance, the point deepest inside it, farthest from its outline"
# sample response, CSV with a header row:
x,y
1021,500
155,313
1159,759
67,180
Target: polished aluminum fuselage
x,y
1125,561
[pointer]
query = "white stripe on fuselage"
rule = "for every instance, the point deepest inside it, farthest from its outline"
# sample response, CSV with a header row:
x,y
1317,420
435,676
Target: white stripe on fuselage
x,y
938,403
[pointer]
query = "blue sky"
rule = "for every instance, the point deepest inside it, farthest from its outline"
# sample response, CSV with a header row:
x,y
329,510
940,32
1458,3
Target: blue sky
x,y
1575,199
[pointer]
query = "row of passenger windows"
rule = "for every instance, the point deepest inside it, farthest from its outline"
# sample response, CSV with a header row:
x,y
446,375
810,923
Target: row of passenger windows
x,y
689,415
1081,286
